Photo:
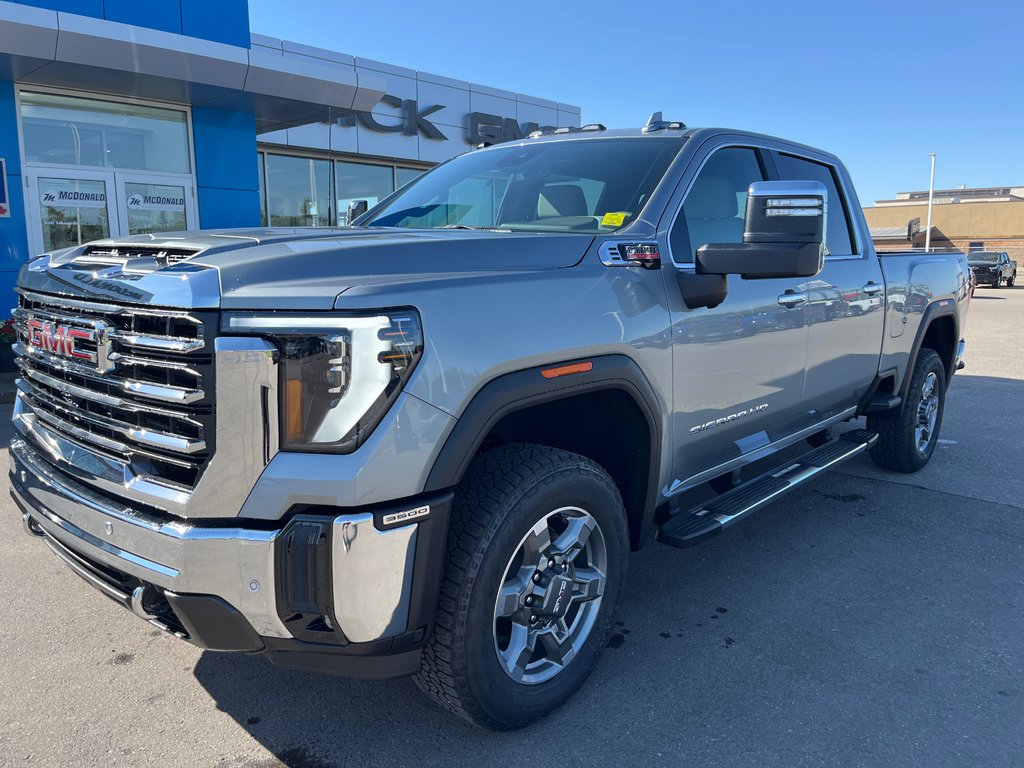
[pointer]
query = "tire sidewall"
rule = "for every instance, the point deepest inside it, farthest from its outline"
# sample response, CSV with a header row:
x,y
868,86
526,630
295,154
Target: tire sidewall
x,y
927,364
501,698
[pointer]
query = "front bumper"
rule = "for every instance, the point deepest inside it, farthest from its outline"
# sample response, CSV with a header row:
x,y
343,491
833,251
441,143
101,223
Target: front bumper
x,y
338,590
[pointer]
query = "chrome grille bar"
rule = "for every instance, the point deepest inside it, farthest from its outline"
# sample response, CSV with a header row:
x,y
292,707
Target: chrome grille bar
x,y
150,437
148,411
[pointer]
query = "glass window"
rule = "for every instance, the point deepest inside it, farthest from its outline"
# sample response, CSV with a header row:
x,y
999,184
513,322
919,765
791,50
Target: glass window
x,y
585,186
362,181
837,236
69,130
716,204
298,191
404,175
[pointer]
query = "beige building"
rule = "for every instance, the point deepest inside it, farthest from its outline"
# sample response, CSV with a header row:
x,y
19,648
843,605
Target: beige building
x,y
980,219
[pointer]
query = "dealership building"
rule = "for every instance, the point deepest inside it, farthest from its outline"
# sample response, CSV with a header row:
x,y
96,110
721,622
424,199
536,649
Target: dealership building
x,y
964,219
119,118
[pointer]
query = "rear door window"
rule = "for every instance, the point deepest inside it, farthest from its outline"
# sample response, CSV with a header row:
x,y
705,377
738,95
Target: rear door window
x,y
837,236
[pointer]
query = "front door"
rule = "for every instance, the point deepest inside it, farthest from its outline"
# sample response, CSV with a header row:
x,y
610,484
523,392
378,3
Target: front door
x,y
739,367
74,206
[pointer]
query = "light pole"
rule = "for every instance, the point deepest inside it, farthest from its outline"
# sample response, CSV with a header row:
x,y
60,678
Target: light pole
x,y
931,195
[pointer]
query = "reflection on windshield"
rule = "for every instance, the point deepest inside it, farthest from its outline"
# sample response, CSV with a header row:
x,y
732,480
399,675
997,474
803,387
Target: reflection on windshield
x,y
594,185
987,258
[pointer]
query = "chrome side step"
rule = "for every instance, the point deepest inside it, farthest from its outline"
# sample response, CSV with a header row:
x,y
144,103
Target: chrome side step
x,y
684,529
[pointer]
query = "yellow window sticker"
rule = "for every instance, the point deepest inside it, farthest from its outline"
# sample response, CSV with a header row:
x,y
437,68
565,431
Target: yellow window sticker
x,y
613,219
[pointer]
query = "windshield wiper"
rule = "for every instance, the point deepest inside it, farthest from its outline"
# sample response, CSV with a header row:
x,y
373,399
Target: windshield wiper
x,y
479,229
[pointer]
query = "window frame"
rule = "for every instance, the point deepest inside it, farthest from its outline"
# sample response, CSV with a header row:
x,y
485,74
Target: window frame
x,y
333,158
171,106
763,154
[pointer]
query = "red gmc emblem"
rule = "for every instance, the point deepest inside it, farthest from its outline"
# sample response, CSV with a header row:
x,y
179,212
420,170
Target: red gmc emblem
x,y
63,341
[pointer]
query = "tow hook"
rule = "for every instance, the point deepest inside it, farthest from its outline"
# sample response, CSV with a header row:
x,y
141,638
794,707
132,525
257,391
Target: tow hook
x,y
140,597
31,526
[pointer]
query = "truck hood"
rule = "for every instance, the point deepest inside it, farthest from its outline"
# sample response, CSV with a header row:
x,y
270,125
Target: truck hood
x,y
286,268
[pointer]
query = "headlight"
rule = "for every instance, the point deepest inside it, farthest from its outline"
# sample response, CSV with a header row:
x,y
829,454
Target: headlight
x,y
339,373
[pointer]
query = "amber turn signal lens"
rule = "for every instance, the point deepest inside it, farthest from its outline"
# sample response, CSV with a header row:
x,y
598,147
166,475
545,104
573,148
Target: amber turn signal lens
x,y
293,409
566,370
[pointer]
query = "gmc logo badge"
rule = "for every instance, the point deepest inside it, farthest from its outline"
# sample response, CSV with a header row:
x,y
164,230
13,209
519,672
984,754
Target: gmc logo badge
x,y
63,341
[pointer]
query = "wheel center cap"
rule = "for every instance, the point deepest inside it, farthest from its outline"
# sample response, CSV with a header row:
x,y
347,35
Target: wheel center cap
x,y
557,597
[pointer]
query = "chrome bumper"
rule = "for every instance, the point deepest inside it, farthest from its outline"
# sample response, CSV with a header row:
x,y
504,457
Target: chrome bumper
x,y
372,568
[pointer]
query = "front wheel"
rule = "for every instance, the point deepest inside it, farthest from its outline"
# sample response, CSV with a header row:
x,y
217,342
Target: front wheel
x,y
535,563
1011,280
907,441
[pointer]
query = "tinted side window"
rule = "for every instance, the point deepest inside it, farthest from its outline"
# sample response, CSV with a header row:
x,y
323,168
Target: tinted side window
x,y
714,207
837,238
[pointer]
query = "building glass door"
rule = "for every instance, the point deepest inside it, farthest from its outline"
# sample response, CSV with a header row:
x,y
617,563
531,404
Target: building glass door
x,y
98,168
69,209
150,205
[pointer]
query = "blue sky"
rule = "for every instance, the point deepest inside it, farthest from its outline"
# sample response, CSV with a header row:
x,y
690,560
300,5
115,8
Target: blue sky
x,y
881,84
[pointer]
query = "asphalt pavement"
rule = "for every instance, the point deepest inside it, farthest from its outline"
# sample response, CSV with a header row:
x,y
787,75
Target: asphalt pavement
x,y
867,619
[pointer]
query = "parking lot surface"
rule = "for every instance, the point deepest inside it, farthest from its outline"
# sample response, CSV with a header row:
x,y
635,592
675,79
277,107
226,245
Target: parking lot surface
x,y
868,619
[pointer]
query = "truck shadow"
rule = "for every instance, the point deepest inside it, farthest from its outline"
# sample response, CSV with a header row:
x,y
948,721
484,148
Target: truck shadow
x,y
758,628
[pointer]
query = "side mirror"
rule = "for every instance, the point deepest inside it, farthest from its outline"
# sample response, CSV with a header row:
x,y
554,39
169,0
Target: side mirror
x,y
356,208
783,234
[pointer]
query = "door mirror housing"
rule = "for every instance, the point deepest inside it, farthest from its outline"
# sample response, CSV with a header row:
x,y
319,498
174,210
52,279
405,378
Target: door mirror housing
x,y
356,208
783,234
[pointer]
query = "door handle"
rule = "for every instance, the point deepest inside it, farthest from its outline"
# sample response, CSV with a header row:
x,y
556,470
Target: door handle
x,y
790,299
872,288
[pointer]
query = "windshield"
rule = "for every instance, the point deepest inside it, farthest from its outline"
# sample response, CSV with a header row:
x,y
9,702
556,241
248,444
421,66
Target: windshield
x,y
984,258
590,186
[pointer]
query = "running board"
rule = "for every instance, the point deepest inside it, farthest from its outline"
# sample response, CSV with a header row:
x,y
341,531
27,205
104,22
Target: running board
x,y
684,529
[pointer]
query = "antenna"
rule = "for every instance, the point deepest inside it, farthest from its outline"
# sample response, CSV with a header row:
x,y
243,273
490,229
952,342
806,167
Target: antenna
x,y
657,122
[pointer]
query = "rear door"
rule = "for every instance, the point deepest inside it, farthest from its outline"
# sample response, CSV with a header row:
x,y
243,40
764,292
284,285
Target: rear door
x,y
846,300
739,367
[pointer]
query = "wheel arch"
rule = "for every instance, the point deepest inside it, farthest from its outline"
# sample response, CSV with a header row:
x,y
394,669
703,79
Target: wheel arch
x,y
608,413
939,330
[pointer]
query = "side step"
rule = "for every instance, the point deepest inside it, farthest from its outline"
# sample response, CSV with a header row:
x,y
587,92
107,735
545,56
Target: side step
x,y
684,529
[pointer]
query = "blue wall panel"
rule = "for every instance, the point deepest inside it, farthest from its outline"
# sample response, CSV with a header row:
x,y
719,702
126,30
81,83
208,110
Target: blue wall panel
x,y
226,21
13,237
226,171
220,208
92,8
155,14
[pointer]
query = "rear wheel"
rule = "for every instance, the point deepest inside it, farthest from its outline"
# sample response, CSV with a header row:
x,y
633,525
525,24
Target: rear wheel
x,y
906,442
535,563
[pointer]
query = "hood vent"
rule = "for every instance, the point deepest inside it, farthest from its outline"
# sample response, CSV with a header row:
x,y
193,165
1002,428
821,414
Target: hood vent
x,y
120,255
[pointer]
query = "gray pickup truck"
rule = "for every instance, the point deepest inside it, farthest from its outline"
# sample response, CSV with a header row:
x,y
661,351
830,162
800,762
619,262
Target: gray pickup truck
x,y
425,444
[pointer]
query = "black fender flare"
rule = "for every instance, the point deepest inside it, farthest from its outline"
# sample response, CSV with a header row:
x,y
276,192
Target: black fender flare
x,y
940,308
522,389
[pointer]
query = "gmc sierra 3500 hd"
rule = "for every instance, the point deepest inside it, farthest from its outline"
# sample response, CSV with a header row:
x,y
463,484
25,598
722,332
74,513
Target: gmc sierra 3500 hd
x,y
424,445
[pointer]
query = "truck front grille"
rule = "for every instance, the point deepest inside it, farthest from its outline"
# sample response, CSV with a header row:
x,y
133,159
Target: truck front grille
x,y
145,398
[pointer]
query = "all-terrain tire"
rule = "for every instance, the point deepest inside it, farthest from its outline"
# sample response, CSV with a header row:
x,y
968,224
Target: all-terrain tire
x,y
505,492
898,447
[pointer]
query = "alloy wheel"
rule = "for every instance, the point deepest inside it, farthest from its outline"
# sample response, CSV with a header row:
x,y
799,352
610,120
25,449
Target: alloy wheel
x,y
550,596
